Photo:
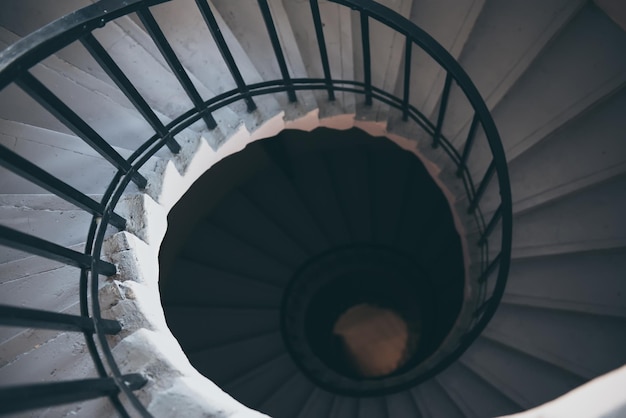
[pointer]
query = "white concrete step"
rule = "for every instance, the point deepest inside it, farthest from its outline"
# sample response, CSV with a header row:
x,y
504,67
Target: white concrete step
x,y
372,407
584,344
386,52
450,23
242,218
43,216
286,203
344,407
96,109
585,283
588,50
525,379
216,288
473,395
212,360
337,26
247,25
432,401
290,398
65,156
317,405
218,248
590,220
401,405
585,152
227,324
506,38
314,179
254,388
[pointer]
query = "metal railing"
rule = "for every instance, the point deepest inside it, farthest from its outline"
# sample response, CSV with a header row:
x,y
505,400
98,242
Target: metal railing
x,y
19,58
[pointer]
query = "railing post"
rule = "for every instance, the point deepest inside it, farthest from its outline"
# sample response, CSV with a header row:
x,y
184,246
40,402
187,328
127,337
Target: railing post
x,y
216,32
408,44
367,59
442,109
321,43
482,187
280,57
469,143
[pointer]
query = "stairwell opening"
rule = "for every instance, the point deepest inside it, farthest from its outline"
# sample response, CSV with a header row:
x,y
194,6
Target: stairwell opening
x,y
304,245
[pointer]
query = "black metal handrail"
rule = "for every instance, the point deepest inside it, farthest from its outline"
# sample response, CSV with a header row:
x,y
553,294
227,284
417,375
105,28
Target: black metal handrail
x,y
15,63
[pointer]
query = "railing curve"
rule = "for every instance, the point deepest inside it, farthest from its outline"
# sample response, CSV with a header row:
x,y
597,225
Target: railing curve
x,y
19,58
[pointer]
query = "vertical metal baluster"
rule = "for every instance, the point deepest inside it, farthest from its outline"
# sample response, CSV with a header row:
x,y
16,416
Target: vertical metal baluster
x,y
103,58
442,109
491,225
482,187
367,61
216,32
280,57
42,95
155,32
468,145
407,78
490,269
321,43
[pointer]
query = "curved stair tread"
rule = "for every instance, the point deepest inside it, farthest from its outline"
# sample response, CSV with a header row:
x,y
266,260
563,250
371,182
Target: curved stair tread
x,y
214,287
231,359
288,400
575,343
528,380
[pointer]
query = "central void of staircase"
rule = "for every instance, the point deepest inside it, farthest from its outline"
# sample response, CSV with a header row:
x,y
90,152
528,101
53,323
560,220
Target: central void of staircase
x,y
327,221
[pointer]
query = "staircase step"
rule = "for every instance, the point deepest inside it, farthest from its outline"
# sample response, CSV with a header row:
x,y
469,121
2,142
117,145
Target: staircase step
x,y
224,363
261,383
351,179
506,38
215,247
546,173
63,224
320,195
94,108
318,404
215,288
375,407
344,407
243,219
527,380
278,195
16,341
475,396
569,340
225,324
288,400
63,357
585,283
433,402
401,405
64,156
588,50
589,220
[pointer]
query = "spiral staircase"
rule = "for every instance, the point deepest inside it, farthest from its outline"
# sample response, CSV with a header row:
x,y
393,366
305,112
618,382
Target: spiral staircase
x,y
261,146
